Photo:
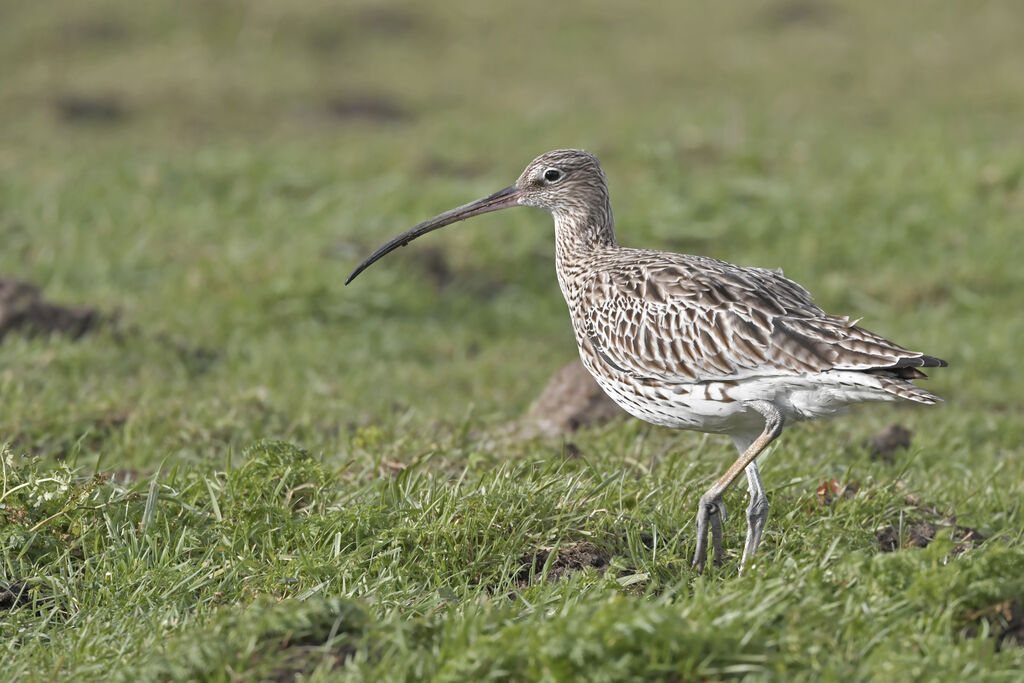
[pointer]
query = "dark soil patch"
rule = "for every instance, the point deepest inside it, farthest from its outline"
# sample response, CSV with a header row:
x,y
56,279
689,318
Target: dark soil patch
x,y
23,309
571,400
94,30
387,21
353,29
1006,621
83,108
798,13
14,595
568,559
647,540
571,450
886,443
922,525
921,534
372,107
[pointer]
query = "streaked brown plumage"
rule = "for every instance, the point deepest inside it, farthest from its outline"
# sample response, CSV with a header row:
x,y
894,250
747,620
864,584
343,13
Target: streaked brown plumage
x,y
693,342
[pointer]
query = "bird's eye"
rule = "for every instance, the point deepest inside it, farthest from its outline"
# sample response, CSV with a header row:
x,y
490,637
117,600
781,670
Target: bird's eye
x,y
552,175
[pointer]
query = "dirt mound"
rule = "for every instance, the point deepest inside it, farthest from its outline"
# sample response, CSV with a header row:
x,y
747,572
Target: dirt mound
x,y
922,524
921,534
571,400
372,107
90,108
568,559
23,309
886,443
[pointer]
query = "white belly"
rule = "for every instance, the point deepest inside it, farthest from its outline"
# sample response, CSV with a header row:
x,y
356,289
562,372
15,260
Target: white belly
x,y
723,407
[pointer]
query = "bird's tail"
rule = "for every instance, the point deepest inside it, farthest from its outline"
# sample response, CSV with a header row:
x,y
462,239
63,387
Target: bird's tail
x,y
904,388
897,379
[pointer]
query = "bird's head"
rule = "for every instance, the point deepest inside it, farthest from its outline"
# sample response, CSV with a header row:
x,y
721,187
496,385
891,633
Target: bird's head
x,y
562,181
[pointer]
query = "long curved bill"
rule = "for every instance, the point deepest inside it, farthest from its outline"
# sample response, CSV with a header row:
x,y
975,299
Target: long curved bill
x,y
502,199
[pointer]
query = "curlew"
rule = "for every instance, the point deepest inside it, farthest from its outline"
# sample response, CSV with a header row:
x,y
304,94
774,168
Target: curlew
x,y
691,342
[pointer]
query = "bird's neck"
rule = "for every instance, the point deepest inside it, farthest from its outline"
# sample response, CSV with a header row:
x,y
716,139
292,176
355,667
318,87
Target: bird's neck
x,y
578,231
579,237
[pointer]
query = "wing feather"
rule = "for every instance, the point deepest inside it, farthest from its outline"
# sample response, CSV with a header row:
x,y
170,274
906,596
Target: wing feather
x,y
681,319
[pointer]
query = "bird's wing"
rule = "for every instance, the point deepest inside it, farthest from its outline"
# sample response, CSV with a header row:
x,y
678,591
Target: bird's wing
x,y
685,319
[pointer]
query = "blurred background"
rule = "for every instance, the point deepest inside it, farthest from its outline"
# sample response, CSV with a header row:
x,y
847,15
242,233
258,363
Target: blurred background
x,y
200,177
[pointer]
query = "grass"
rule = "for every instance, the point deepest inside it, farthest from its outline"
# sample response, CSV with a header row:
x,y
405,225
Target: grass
x,y
251,472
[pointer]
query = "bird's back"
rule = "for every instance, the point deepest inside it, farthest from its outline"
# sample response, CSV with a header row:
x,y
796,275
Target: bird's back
x,y
674,319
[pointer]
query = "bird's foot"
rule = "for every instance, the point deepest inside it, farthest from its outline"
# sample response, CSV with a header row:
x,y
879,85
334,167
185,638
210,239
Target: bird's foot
x,y
757,514
711,513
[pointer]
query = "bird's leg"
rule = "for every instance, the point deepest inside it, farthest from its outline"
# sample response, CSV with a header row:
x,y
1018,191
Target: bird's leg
x,y
711,501
757,513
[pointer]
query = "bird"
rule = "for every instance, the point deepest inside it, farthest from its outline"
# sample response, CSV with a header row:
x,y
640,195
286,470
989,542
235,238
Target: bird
x,y
693,342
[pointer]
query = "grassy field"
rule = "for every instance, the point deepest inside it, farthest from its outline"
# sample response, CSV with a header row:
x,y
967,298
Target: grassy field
x,y
248,471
